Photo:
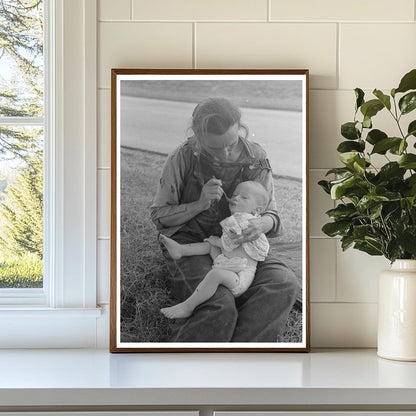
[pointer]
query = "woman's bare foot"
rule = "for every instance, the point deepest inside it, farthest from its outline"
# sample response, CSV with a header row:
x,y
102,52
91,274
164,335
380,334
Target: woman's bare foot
x,y
174,248
181,310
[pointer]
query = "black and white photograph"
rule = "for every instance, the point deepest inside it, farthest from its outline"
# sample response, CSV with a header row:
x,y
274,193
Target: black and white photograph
x,y
209,221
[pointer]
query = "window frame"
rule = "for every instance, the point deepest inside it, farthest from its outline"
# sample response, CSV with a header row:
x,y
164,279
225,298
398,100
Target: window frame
x,y
70,230
37,296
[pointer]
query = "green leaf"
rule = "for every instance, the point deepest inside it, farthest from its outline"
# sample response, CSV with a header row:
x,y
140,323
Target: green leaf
x,y
402,147
333,229
350,131
408,102
391,212
375,211
408,161
368,248
367,122
346,242
391,170
398,149
385,99
383,145
338,171
348,158
411,182
375,243
325,186
349,146
407,239
411,130
374,136
408,82
369,201
412,200
338,189
361,231
359,166
371,108
393,250
342,211
359,95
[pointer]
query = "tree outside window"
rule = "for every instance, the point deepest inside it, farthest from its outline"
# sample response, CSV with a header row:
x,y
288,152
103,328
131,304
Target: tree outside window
x,y
21,143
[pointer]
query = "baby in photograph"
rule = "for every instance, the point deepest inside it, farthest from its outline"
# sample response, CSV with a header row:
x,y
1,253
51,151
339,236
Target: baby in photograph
x,y
234,263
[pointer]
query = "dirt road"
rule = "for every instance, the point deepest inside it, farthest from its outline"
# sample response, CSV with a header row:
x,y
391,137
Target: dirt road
x,y
160,126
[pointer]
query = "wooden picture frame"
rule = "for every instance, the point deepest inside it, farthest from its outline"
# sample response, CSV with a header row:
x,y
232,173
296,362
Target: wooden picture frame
x,y
151,116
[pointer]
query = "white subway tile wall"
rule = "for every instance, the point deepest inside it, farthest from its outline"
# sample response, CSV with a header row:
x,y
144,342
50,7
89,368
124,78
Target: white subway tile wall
x,y
375,55
200,10
104,128
114,10
357,275
323,269
145,45
355,10
270,45
103,271
104,203
345,44
339,325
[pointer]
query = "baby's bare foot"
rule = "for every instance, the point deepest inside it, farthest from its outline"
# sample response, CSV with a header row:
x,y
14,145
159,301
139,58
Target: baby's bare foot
x,y
174,248
181,310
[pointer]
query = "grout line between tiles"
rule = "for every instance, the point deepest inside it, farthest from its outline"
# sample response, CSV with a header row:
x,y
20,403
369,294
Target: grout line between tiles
x,y
308,22
335,248
338,63
323,237
343,303
194,61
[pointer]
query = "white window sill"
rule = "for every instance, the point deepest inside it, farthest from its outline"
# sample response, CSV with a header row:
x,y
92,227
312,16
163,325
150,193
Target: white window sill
x,y
36,312
331,379
40,327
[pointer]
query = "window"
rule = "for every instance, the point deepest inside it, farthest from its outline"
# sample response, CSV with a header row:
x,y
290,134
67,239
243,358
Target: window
x,y
63,312
22,132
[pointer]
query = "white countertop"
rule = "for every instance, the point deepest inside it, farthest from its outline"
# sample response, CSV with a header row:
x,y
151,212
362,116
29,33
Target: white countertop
x,y
96,377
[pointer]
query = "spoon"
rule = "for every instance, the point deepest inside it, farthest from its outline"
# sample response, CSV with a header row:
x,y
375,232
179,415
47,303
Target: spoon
x,y
223,192
225,195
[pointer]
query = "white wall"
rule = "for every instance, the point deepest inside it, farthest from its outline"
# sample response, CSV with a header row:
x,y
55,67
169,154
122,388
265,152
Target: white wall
x,y
345,44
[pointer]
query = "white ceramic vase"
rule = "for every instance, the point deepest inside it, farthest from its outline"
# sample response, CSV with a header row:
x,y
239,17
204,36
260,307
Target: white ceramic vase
x,y
397,312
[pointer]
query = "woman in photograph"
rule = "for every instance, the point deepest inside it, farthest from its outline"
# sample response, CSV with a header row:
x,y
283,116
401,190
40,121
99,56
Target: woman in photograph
x,y
188,207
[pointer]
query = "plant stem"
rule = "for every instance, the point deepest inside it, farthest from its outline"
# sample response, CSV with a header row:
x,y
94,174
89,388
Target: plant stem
x,y
397,118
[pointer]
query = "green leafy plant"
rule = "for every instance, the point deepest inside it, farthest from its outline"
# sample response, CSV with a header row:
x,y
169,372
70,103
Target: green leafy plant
x,y
376,212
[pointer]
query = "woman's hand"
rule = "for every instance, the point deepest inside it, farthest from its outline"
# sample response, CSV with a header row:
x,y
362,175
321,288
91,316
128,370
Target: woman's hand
x,y
211,191
256,227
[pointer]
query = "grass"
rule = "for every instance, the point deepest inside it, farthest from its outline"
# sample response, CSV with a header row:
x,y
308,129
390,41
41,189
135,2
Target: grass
x,y
25,271
144,284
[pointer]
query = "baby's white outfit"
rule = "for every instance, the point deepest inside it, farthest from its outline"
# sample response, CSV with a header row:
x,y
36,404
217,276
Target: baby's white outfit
x,y
257,250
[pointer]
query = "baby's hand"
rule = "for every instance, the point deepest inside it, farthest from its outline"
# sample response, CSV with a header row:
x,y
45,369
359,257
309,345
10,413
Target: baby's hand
x,y
250,233
214,241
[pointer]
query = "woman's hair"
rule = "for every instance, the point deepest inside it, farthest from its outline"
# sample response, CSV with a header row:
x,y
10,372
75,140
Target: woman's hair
x,y
215,116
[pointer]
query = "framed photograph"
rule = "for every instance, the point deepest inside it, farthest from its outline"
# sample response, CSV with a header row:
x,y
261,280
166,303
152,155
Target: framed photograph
x,y
209,211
